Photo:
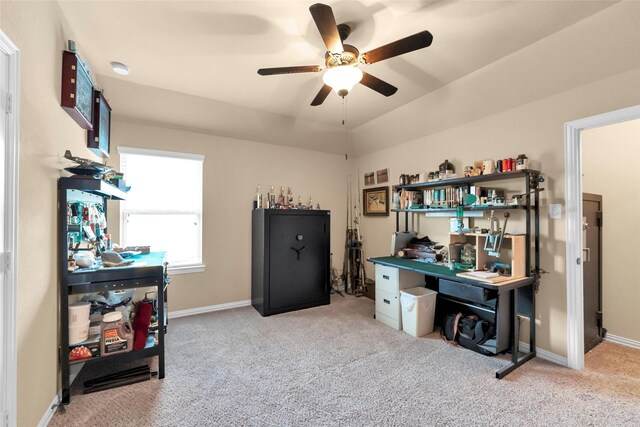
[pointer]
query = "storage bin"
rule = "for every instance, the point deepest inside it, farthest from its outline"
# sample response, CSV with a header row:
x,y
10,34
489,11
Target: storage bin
x,y
418,310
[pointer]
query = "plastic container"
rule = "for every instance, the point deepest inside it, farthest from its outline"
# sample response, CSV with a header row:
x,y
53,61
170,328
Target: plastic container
x,y
79,313
522,162
116,335
418,310
78,333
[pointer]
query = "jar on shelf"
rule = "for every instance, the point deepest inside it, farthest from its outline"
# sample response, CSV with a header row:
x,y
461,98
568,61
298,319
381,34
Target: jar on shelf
x,y
522,162
446,169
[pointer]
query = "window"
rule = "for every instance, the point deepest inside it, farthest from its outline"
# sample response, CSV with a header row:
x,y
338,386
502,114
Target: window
x,y
164,206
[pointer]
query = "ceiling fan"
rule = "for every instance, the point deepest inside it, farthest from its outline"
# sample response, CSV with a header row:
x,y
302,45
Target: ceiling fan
x,y
342,60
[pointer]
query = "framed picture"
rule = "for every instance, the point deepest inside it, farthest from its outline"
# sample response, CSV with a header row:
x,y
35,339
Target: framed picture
x,y
369,178
98,138
77,90
382,176
376,201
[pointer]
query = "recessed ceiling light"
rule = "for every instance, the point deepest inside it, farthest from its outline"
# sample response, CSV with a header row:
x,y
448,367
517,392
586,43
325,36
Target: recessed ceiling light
x,y
120,68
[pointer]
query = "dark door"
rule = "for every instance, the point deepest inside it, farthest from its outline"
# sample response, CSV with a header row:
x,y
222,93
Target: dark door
x,y
592,269
298,260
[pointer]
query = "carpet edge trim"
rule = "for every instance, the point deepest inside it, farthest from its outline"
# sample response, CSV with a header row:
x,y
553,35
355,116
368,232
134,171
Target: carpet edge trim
x,y
208,309
546,355
624,341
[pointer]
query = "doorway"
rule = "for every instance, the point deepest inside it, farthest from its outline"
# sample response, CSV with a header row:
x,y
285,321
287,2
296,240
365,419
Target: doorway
x,y
9,125
574,251
592,269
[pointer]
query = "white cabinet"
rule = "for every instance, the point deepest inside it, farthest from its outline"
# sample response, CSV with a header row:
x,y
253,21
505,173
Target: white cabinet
x,y
389,282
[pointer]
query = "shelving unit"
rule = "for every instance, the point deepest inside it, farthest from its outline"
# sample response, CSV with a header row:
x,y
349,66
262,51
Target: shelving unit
x,y
500,302
147,271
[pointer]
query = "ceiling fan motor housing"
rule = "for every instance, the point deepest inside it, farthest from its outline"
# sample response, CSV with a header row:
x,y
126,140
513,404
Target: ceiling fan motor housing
x,y
349,56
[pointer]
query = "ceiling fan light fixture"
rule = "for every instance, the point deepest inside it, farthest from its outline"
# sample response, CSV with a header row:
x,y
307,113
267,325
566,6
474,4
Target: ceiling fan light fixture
x,y
342,78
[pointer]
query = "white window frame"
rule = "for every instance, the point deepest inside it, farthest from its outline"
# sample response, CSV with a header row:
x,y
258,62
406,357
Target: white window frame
x,y
180,269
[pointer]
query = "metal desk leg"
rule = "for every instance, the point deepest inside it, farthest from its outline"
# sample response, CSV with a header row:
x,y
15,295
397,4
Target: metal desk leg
x,y
161,325
515,340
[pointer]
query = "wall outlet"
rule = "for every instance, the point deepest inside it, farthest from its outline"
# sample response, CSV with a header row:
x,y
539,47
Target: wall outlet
x,y
555,211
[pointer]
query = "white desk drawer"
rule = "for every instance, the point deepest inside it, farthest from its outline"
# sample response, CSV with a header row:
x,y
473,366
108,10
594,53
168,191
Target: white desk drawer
x,y
388,303
387,278
391,279
394,323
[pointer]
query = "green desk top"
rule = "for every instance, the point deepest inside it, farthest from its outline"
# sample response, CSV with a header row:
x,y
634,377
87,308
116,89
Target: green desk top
x,y
443,272
153,259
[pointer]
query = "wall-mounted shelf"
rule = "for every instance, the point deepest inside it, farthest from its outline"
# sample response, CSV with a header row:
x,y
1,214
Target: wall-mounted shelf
x,y
91,185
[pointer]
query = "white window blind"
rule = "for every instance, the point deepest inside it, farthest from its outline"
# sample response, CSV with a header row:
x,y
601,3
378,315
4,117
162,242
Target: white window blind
x,y
164,206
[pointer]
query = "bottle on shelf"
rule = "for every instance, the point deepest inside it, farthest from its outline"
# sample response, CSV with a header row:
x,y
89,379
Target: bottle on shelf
x,y
257,203
281,198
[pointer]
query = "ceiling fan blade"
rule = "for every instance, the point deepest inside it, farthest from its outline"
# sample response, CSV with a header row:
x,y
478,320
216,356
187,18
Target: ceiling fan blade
x,y
408,44
378,85
321,96
326,23
289,70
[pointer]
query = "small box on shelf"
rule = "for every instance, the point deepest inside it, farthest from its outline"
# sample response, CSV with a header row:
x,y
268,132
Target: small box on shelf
x,y
86,349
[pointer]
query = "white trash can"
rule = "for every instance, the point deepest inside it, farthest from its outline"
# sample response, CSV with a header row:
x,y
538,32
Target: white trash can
x,y
418,310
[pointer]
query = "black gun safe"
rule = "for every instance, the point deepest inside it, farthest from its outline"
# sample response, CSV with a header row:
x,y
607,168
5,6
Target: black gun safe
x,y
289,260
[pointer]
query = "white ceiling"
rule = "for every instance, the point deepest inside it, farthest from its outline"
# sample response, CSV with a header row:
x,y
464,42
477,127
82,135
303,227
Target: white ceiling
x,y
212,49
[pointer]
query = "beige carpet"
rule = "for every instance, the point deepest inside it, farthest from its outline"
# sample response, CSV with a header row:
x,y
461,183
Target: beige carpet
x,y
336,366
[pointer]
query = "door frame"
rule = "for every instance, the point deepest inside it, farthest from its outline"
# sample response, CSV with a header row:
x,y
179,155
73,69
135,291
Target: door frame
x,y
8,382
573,194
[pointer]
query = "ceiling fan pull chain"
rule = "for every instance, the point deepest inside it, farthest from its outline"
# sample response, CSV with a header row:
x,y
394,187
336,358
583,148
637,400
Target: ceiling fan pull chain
x,y
344,126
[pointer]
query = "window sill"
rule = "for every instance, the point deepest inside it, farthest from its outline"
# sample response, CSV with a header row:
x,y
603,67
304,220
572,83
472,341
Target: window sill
x,y
186,269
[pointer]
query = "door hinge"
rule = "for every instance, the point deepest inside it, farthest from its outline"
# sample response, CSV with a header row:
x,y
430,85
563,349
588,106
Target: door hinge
x,y
599,218
5,262
9,104
599,318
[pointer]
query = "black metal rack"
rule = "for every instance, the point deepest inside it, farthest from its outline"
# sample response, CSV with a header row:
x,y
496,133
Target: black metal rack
x,y
519,296
153,274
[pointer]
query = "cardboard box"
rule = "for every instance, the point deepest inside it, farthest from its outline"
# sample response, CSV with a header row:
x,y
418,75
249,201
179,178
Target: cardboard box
x,y
86,349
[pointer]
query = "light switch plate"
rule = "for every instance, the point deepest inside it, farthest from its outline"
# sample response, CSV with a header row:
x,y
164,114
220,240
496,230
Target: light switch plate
x,y
555,211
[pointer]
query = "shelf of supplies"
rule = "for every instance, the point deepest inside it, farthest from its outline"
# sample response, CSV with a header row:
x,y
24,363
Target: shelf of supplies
x,y
466,209
498,176
93,186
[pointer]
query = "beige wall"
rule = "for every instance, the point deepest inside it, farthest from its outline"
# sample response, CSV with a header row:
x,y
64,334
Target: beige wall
x,y
608,162
492,113
46,131
233,169
516,105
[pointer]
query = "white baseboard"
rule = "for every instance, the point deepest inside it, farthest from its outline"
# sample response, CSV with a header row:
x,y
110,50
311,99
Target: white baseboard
x,y
208,309
46,417
624,341
546,355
